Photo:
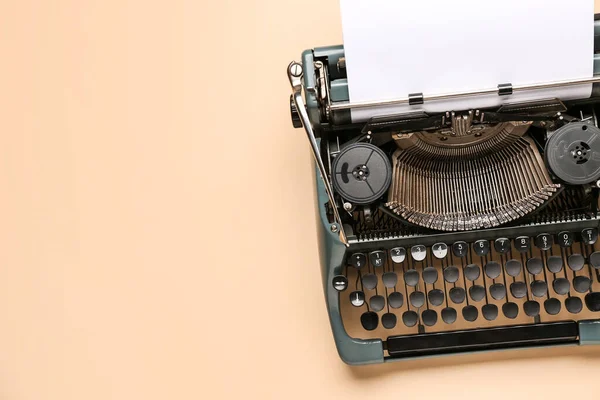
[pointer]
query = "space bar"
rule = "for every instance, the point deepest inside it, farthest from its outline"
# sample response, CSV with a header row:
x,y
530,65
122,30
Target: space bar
x,y
482,339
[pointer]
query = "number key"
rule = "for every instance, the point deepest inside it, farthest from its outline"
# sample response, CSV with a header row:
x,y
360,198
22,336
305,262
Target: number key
x,y
565,239
358,260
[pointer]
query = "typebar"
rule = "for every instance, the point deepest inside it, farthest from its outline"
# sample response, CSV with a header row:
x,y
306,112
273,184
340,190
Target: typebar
x,y
482,339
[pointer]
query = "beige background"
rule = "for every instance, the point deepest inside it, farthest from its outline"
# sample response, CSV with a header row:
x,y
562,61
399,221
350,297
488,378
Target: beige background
x,y
157,220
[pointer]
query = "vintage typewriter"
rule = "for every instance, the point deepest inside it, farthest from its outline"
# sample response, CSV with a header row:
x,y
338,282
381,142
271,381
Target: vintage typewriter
x,y
462,231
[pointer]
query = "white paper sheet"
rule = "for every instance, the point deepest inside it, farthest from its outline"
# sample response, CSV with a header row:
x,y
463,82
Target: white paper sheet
x,y
397,47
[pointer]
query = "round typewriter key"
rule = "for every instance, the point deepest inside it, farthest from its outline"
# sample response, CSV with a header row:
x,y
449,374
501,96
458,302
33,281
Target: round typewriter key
x,y
410,318
481,247
436,297
477,292
592,301
490,312
498,291
518,289
575,261
451,274
340,283
449,315
552,306
510,310
531,308
457,295
522,244
539,288
398,255
429,317
470,313
389,320
430,275
460,249
395,299
544,241
418,252
565,239
561,286
502,245
440,250
369,281
589,236
555,264
357,298
595,259
411,277
513,267
369,320
574,305
492,269
534,265
358,260
582,284
377,303
472,272
390,279
377,258
417,299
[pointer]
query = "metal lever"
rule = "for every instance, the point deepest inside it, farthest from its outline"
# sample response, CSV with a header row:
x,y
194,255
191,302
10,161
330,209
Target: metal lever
x,y
295,73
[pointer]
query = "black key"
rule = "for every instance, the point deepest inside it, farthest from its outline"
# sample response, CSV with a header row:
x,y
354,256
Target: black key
x,y
357,298
510,310
531,308
482,248
358,260
498,291
513,267
582,284
470,313
565,239
490,312
544,241
575,261
389,320
417,299
589,235
418,252
451,274
522,244
449,315
369,281
555,264
377,258
398,255
439,250
492,269
436,297
430,275
595,259
460,249
390,279
395,299
477,292
574,305
534,265
377,303
539,288
592,301
457,295
369,320
552,306
472,272
340,283
561,286
411,277
502,245
429,317
518,289
409,318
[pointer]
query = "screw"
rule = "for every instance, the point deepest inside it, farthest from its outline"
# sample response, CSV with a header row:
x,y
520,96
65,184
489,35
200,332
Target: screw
x,y
296,70
598,184
347,206
334,228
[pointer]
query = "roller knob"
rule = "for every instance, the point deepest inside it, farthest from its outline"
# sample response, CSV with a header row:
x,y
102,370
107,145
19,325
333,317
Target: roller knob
x,y
296,122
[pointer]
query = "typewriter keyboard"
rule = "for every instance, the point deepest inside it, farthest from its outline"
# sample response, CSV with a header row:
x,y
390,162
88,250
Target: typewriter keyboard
x,y
460,285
